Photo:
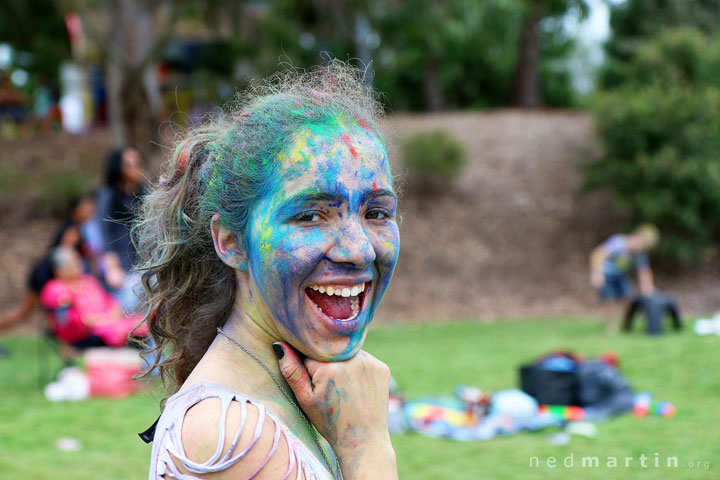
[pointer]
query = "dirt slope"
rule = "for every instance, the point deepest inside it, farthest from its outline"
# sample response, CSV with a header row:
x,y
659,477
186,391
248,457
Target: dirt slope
x,y
510,239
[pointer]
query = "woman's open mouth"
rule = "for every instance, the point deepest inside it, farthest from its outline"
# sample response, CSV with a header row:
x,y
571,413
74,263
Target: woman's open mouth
x,y
339,304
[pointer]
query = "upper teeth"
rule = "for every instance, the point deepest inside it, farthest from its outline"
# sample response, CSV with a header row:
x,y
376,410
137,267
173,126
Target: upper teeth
x,y
341,291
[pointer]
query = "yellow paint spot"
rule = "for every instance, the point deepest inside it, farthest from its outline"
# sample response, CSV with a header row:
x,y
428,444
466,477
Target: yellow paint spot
x,y
296,152
264,237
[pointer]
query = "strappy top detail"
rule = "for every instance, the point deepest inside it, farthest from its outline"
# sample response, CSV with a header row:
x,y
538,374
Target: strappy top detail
x,y
168,448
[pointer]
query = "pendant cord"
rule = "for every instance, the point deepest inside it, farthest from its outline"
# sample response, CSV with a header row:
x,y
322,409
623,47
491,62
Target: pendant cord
x,y
290,399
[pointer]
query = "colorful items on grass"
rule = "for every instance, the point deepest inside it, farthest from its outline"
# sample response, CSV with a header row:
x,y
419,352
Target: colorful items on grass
x,y
472,414
569,413
644,404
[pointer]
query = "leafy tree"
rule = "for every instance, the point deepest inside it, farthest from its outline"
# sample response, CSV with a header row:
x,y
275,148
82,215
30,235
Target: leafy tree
x,y
633,21
427,54
533,43
130,35
661,134
36,28
436,55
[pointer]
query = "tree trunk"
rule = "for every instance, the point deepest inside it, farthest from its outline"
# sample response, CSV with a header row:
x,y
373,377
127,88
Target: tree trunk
x,y
526,88
434,97
133,92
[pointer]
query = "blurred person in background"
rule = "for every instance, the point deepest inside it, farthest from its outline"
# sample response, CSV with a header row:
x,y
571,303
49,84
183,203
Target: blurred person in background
x,y
118,200
611,264
81,312
73,233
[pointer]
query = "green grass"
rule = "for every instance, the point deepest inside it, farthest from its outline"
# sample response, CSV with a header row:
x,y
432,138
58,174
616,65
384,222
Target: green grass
x,y
427,359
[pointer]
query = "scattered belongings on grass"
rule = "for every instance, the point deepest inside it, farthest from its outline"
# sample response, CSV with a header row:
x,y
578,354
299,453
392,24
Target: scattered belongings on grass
x,y
708,326
558,390
656,307
109,372
68,444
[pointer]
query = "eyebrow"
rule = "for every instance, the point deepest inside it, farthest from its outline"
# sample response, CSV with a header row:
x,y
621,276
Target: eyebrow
x,y
380,192
310,195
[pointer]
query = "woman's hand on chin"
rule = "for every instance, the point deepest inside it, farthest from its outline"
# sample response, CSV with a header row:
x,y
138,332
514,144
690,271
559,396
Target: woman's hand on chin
x,y
347,402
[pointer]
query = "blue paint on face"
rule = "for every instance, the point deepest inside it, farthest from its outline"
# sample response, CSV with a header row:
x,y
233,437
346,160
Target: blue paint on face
x,y
328,217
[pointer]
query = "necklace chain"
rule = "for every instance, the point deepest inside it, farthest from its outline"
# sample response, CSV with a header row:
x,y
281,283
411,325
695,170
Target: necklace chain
x,y
290,399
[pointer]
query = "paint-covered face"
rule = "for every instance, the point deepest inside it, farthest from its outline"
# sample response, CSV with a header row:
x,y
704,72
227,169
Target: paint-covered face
x,y
322,242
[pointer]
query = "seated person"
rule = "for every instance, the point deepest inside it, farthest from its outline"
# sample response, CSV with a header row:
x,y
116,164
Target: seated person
x,y
83,314
612,262
70,234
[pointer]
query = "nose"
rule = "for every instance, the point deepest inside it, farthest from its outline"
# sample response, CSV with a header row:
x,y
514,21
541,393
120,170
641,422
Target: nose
x,y
352,245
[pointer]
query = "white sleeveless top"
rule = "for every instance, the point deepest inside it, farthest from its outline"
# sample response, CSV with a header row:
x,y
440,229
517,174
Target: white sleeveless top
x,y
168,439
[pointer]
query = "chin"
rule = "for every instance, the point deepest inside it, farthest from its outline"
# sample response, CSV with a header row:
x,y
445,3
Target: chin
x,y
340,315
338,350
345,355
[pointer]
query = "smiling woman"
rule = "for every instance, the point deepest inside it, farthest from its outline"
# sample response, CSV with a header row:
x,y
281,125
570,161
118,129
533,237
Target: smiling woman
x,y
266,249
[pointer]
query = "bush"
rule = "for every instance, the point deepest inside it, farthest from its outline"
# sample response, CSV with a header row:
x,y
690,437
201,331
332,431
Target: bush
x,y
661,133
434,158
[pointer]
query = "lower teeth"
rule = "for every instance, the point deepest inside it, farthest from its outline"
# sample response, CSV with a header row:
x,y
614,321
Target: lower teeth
x,y
354,306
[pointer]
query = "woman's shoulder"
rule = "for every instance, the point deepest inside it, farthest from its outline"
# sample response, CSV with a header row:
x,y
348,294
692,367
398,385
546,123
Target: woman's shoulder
x,y
211,430
196,401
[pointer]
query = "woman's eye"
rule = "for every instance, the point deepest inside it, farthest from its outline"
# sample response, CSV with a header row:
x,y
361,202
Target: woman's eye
x,y
308,217
376,215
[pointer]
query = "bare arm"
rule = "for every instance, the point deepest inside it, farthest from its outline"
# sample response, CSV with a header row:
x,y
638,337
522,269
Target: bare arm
x,y
597,259
20,312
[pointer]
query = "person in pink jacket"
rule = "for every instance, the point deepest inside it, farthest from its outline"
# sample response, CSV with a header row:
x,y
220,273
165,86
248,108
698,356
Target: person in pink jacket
x,y
82,313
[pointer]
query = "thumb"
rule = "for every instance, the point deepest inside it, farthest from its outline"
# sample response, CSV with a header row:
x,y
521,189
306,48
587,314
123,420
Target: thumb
x,y
295,373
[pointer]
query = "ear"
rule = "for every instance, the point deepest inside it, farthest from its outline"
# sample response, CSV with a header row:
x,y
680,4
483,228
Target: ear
x,y
228,245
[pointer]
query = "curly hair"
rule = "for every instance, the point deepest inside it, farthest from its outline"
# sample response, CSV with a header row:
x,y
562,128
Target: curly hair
x,y
223,167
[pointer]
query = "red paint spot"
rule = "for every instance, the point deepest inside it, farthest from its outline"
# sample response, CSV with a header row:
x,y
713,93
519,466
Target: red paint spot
x,y
375,187
181,163
346,139
331,410
363,124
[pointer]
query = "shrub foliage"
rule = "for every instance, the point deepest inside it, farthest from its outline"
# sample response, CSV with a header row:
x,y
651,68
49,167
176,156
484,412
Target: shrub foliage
x,y
660,129
434,159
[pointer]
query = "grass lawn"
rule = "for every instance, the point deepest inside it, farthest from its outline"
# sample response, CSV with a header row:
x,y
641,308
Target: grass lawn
x,y
427,359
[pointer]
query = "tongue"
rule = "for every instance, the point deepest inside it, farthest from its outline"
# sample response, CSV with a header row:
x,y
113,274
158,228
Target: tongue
x,y
332,305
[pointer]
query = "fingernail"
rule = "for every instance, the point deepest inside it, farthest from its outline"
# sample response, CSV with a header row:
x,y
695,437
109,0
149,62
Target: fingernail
x,y
279,350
